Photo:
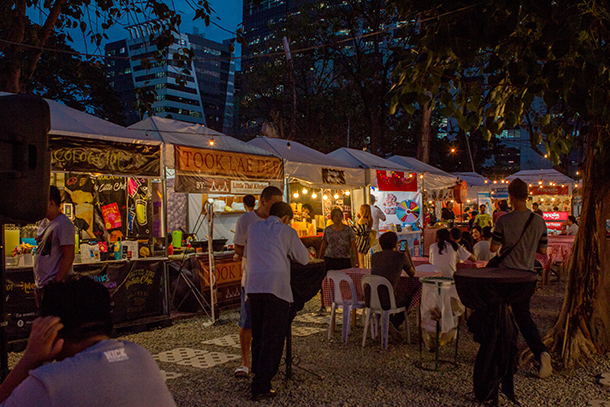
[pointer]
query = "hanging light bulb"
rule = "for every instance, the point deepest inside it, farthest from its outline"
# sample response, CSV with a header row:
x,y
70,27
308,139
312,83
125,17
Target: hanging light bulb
x,y
304,191
486,181
314,195
336,196
347,193
421,176
212,141
296,195
324,197
495,181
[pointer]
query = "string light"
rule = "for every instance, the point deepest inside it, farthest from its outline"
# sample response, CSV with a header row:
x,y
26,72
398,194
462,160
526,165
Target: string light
x,y
314,195
296,195
336,196
486,181
347,193
304,191
421,176
324,197
495,181
212,141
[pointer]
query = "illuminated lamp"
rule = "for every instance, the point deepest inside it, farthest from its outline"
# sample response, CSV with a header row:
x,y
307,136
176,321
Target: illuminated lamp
x,y
324,197
336,196
314,195
304,191
347,193
296,195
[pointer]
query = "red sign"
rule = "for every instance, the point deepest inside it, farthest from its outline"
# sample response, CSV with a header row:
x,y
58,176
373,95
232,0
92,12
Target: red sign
x,y
549,190
555,216
554,225
396,181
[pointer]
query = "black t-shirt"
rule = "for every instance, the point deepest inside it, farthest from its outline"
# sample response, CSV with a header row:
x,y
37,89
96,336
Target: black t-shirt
x,y
446,214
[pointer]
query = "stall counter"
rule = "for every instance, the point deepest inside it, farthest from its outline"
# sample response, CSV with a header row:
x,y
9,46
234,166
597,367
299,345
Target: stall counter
x,y
136,288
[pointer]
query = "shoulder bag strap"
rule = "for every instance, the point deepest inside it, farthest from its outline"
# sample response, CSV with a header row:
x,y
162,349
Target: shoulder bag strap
x,y
510,249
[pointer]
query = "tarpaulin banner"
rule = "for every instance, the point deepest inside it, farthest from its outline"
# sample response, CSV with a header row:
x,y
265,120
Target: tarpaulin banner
x,y
215,185
209,171
396,181
135,289
549,190
99,156
194,161
333,176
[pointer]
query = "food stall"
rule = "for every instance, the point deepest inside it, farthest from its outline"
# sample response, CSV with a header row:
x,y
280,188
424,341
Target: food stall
x,y
436,186
112,189
315,178
396,192
552,191
208,174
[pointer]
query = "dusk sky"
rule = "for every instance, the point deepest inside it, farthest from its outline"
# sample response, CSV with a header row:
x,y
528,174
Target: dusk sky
x,y
227,14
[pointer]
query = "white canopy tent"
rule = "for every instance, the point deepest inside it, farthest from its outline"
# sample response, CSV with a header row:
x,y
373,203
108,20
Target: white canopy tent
x,y
305,165
368,161
178,133
69,122
434,178
175,132
546,176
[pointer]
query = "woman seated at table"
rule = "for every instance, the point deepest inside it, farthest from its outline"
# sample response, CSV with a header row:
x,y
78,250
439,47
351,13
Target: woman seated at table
x,y
476,233
446,253
390,263
570,227
481,249
337,241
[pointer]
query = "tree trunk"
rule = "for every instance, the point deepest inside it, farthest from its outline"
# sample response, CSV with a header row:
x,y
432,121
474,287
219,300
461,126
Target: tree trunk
x,y
423,148
583,326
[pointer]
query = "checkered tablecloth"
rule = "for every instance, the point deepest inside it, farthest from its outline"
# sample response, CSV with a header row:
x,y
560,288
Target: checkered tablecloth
x,y
404,284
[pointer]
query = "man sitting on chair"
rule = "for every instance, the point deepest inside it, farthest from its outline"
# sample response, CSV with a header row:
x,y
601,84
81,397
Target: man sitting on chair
x,y
390,263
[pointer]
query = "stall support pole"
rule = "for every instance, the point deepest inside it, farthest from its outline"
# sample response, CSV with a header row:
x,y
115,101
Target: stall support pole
x,y
3,322
210,211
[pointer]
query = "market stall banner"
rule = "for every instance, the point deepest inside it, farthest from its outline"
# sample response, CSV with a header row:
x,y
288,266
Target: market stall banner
x,y
549,190
333,176
400,208
396,181
500,193
80,192
226,272
111,207
135,287
139,202
215,185
21,308
87,155
193,161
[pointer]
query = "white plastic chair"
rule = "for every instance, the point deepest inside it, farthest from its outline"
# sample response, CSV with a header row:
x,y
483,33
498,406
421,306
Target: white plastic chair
x,y
375,309
335,278
428,268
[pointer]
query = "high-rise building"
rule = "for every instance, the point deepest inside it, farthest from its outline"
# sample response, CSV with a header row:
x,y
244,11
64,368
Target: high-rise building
x,y
203,95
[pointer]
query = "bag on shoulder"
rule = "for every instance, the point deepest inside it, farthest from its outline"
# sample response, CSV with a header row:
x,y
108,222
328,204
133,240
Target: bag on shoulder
x,y
497,260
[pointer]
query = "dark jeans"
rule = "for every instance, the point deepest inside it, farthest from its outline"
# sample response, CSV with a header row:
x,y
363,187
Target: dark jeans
x,y
334,263
528,328
270,322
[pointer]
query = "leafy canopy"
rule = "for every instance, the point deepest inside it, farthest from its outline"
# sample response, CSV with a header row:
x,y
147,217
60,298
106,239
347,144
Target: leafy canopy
x,y
495,65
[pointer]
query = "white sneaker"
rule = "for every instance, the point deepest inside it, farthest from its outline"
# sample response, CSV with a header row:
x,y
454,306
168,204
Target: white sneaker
x,y
545,365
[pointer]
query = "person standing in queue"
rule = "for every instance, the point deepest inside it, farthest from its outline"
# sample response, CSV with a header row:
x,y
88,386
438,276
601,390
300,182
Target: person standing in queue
x,y
249,203
362,230
269,196
338,242
272,243
377,215
54,256
528,234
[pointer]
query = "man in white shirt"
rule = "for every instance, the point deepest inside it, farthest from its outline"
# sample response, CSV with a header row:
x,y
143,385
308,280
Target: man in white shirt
x,y
269,196
271,246
377,215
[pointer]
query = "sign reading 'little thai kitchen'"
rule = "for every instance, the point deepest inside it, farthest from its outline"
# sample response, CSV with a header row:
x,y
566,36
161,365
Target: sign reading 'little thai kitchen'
x,y
235,165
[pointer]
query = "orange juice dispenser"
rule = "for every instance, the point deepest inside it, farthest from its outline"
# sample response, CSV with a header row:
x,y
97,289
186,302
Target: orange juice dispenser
x,y
12,234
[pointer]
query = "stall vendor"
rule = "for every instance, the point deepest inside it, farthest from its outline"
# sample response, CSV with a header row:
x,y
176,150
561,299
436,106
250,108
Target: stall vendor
x,y
307,212
55,237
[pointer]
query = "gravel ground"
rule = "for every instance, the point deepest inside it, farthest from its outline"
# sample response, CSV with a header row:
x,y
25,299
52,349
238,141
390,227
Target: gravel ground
x,y
356,376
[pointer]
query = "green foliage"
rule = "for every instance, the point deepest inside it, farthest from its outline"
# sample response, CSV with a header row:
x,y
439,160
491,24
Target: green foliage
x,y
92,18
498,64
